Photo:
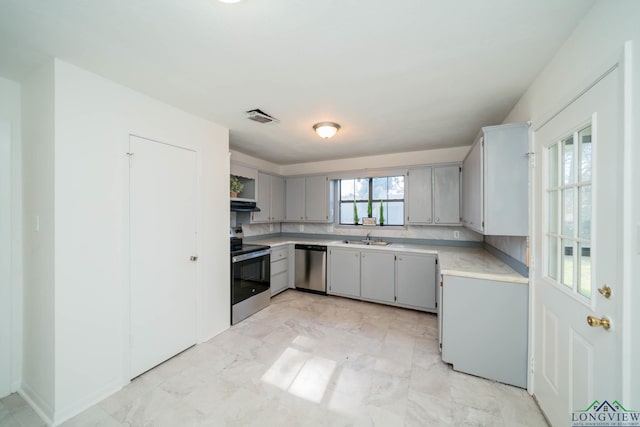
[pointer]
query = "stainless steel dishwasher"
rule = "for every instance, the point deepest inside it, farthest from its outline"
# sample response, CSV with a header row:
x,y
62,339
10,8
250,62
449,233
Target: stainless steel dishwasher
x,y
311,268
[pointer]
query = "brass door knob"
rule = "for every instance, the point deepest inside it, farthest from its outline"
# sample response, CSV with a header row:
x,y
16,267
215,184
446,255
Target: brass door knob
x,y
605,291
605,322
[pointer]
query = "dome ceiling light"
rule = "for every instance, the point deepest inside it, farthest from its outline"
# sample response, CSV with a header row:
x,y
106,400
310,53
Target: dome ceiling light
x,y
326,129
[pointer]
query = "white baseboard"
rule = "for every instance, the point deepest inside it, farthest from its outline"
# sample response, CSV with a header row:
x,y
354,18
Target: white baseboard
x,y
87,402
54,419
37,403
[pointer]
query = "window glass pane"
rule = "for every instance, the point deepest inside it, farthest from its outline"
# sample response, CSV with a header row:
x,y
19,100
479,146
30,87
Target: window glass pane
x,y
394,213
380,188
584,264
346,213
553,212
584,136
568,161
362,189
567,211
585,213
396,187
553,166
567,263
553,258
347,189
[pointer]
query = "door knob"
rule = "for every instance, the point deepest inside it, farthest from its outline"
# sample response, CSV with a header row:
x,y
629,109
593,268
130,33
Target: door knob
x,y
193,258
594,322
605,291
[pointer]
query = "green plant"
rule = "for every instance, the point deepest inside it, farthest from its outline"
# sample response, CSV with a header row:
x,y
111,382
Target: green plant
x,y
235,185
355,213
369,209
381,218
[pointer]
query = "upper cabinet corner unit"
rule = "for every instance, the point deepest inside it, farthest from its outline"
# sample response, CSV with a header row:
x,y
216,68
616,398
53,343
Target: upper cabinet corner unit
x,y
433,195
495,176
308,199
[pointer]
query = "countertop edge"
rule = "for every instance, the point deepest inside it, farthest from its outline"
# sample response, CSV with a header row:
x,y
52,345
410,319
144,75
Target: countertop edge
x,y
512,276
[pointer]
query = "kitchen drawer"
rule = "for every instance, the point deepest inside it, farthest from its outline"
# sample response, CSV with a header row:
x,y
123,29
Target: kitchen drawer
x,y
279,266
279,253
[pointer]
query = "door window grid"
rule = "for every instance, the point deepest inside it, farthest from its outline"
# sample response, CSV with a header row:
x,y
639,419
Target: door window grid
x,y
568,228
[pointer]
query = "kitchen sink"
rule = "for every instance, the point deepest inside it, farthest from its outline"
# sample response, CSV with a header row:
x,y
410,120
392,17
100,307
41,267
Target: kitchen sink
x,y
366,242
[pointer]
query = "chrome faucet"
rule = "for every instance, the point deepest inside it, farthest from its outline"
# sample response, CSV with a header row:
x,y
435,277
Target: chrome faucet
x,y
368,236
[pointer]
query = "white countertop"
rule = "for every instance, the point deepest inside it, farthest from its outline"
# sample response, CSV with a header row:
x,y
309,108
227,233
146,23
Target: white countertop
x,y
454,261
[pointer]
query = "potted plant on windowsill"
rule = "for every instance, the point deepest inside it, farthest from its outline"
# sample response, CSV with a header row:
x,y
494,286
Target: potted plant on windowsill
x,y
381,218
356,220
235,186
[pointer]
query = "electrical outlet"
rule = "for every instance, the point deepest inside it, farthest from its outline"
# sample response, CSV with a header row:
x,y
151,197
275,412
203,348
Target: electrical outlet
x,y
301,227
456,234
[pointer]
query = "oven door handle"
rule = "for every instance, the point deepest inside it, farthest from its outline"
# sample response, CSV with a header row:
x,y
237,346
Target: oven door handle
x,y
250,255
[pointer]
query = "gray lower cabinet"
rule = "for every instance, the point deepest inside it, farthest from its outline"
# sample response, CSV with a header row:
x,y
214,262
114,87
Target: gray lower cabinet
x,y
413,273
378,276
344,272
395,278
279,269
484,328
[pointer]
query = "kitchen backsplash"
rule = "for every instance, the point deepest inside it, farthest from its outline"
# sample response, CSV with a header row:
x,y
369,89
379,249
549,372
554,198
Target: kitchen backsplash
x,y
514,246
411,232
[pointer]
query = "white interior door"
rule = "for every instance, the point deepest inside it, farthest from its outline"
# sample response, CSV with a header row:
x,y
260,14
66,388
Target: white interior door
x,y
577,243
163,238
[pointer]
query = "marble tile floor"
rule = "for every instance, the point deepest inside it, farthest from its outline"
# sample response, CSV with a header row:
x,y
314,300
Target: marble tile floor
x,y
308,360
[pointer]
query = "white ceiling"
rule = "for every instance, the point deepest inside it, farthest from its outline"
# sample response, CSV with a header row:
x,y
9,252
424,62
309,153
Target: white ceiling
x,y
399,75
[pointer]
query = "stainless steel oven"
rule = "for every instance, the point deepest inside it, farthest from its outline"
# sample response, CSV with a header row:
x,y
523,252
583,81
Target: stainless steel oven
x,y
250,281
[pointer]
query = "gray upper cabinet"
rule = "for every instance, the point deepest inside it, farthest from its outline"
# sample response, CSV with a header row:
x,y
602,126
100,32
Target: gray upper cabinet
x,y
294,199
270,199
419,196
277,198
472,189
446,195
433,196
495,177
308,199
316,198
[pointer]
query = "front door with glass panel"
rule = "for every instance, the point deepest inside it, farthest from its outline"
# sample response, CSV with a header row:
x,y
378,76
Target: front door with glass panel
x,y
577,245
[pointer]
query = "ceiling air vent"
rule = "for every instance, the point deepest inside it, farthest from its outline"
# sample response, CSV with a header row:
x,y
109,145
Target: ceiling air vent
x,y
260,116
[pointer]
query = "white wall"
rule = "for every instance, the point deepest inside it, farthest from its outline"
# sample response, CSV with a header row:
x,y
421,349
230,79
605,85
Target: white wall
x,y
443,155
594,46
263,165
38,201
10,238
93,120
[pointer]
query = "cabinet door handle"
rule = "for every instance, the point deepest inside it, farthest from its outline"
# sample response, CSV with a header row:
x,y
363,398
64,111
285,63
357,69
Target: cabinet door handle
x,y
437,219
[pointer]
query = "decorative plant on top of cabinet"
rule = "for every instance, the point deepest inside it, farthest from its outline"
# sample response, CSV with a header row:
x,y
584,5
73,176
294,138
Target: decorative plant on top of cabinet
x,y
235,186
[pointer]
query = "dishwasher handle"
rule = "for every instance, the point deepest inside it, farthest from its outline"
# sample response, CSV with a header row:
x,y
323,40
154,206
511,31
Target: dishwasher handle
x,y
317,248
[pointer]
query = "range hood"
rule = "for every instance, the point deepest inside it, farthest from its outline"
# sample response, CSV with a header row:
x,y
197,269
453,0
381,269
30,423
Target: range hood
x,y
241,206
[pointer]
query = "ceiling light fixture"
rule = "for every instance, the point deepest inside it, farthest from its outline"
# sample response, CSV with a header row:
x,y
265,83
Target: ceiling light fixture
x,y
326,129
229,1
